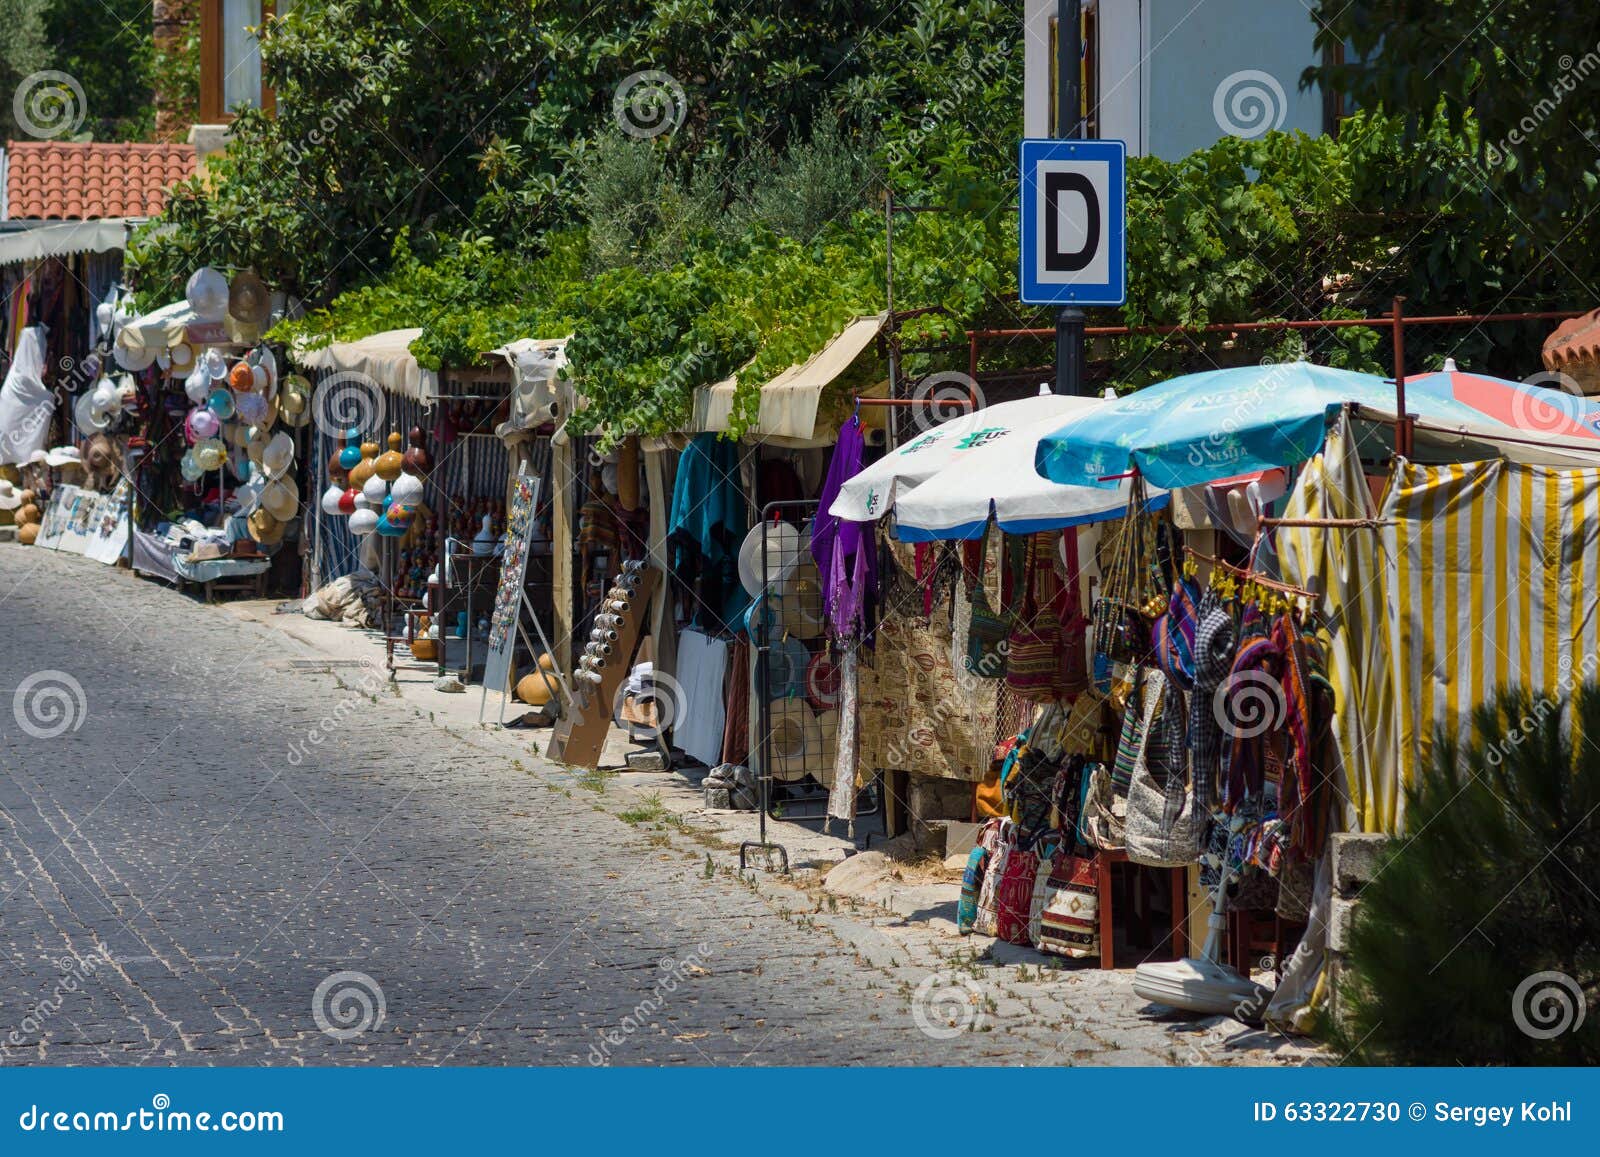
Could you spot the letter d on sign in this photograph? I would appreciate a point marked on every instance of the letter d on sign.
(1059, 190)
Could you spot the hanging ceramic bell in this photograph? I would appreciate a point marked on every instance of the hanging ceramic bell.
(375, 490)
(363, 523)
(417, 460)
(391, 461)
(331, 498)
(347, 501)
(407, 489)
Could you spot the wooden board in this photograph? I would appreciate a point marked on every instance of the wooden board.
(581, 734)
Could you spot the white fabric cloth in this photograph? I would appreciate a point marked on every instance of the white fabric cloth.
(702, 667)
(25, 402)
(386, 358)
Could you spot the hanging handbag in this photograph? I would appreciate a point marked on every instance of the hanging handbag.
(1065, 914)
(1075, 675)
(1014, 896)
(999, 837)
(1122, 614)
(1035, 658)
(987, 629)
(1104, 818)
(1165, 828)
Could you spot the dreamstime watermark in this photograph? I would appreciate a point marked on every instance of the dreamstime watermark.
(370, 76)
(673, 974)
(947, 1004)
(944, 395)
(347, 1004)
(1249, 703)
(372, 681)
(348, 400)
(1574, 72)
(652, 412)
(48, 704)
(970, 73)
(1249, 104)
(648, 709)
(649, 103)
(1547, 1004)
(1221, 444)
(1554, 406)
(72, 972)
(49, 104)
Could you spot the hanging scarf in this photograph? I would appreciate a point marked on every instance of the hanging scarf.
(1308, 702)
(1173, 634)
(1249, 705)
(844, 551)
(1213, 659)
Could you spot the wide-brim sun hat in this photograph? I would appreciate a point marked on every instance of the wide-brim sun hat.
(785, 550)
(795, 744)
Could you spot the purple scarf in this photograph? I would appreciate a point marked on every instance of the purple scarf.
(843, 550)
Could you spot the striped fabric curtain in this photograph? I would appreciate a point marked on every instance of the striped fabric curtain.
(1490, 569)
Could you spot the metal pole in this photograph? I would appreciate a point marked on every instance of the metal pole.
(1402, 426)
(1069, 124)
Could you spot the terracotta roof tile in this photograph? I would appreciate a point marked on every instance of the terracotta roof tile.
(66, 181)
(1575, 340)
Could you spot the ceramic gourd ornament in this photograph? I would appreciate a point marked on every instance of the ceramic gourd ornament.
(350, 453)
(417, 460)
(391, 461)
(332, 497)
(407, 490)
(364, 469)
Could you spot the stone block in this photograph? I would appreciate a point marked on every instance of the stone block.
(1357, 859)
(1341, 919)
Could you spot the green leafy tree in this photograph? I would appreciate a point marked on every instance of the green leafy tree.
(1519, 80)
(23, 52)
(106, 46)
(1496, 881)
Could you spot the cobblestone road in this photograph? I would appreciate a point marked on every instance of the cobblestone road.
(197, 851)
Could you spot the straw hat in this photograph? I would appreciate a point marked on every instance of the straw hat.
(181, 360)
(784, 552)
(264, 528)
(280, 499)
(796, 744)
(799, 603)
(63, 456)
(828, 726)
(249, 301)
(10, 496)
(294, 400)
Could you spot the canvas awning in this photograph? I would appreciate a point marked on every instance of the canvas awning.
(789, 402)
(385, 357)
(60, 238)
(178, 324)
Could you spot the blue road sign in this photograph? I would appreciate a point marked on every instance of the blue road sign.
(1074, 208)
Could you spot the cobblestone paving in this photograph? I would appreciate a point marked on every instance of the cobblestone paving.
(214, 836)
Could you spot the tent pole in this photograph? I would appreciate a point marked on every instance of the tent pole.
(1402, 429)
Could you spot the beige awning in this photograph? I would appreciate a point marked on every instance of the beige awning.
(35, 242)
(789, 401)
(385, 357)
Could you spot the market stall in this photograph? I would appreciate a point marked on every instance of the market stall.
(1124, 687)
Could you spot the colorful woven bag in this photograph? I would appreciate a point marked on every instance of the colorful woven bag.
(1014, 896)
(1066, 907)
(1037, 655)
(987, 629)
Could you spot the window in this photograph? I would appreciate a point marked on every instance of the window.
(230, 57)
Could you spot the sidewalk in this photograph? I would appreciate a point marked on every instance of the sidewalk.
(898, 917)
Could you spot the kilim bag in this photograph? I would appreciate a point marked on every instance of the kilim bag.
(1014, 896)
(1065, 914)
(1036, 657)
(987, 630)
(1165, 829)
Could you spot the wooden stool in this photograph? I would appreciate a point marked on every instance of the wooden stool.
(1180, 908)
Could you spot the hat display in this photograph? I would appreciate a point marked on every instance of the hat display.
(278, 455)
(181, 360)
(249, 301)
(63, 456)
(828, 726)
(10, 496)
(799, 603)
(280, 499)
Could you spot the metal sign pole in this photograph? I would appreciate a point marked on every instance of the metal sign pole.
(1069, 124)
